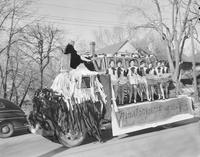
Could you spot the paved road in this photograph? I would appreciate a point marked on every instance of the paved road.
(181, 141)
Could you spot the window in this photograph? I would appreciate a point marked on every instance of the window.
(85, 82)
(2, 105)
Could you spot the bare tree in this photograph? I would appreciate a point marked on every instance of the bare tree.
(106, 37)
(29, 79)
(39, 44)
(18, 75)
(11, 13)
(82, 46)
(174, 35)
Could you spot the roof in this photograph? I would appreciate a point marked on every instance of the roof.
(112, 49)
(161, 56)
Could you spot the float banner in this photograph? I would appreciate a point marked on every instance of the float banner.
(151, 112)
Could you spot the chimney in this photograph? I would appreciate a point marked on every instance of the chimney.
(92, 48)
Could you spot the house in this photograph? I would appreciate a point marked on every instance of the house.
(187, 51)
(187, 58)
(121, 48)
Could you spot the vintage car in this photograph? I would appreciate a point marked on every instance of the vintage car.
(12, 118)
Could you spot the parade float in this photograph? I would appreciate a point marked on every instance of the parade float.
(81, 102)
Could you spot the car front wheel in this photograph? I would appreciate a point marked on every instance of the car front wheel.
(6, 129)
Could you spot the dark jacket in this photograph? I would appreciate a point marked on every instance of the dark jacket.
(75, 58)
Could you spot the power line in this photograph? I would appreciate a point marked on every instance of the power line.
(80, 9)
(103, 2)
(78, 21)
(73, 24)
(85, 21)
(84, 24)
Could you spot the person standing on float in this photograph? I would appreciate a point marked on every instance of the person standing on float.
(143, 86)
(159, 72)
(71, 60)
(112, 71)
(133, 80)
(122, 80)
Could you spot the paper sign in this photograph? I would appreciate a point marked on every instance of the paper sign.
(150, 114)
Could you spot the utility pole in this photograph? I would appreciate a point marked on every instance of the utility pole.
(193, 63)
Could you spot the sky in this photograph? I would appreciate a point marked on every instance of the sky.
(79, 18)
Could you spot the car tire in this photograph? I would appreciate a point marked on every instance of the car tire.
(6, 129)
(72, 138)
(69, 140)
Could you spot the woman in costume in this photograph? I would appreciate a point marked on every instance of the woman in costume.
(164, 67)
(142, 84)
(159, 71)
(150, 72)
(122, 80)
(165, 82)
(150, 69)
(133, 80)
(112, 71)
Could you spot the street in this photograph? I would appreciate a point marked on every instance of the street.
(179, 141)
